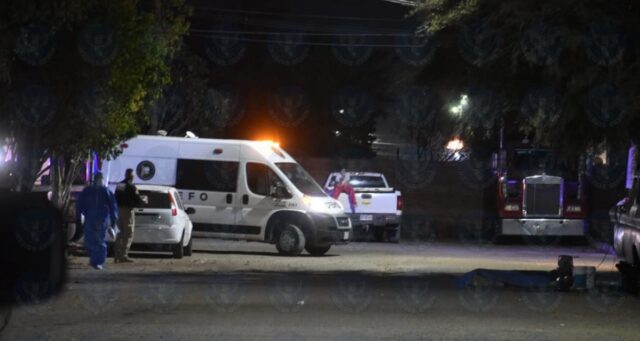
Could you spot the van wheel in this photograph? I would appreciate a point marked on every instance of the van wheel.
(290, 241)
(188, 250)
(318, 250)
(178, 249)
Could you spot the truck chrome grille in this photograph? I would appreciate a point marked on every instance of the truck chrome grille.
(543, 199)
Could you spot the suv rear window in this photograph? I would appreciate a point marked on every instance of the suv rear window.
(156, 199)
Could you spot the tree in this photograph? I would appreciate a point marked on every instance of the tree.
(565, 70)
(79, 78)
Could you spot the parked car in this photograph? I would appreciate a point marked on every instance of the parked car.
(241, 190)
(378, 212)
(162, 222)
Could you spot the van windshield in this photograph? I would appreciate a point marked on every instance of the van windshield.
(301, 179)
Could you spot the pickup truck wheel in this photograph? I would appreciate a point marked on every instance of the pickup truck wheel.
(188, 250)
(378, 235)
(178, 249)
(290, 241)
(318, 250)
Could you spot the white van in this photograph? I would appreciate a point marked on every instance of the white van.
(242, 190)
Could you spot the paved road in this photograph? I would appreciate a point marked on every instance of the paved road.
(238, 291)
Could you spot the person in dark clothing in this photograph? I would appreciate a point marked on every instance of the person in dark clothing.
(128, 198)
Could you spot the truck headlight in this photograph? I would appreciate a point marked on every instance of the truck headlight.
(512, 207)
(574, 209)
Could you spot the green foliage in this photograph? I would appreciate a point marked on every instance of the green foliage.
(573, 75)
(96, 104)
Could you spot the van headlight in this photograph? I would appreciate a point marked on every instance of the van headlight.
(322, 205)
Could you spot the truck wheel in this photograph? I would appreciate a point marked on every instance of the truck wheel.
(290, 241)
(318, 250)
(188, 250)
(178, 250)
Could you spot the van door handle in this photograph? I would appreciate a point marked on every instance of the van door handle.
(366, 196)
(229, 198)
(245, 199)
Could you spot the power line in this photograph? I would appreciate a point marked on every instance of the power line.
(305, 43)
(328, 34)
(308, 16)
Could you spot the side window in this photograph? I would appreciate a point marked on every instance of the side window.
(214, 176)
(176, 195)
(260, 178)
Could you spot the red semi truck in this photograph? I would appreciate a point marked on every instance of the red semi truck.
(539, 194)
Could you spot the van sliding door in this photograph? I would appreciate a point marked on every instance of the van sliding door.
(210, 187)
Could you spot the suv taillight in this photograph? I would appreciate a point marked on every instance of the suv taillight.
(174, 207)
(399, 203)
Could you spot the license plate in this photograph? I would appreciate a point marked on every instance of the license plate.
(366, 217)
(345, 236)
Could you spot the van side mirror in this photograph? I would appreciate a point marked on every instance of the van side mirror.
(279, 191)
(190, 210)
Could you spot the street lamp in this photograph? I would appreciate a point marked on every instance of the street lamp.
(463, 104)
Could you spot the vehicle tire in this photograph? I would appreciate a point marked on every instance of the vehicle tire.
(394, 235)
(290, 241)
(178, 249)
(188, 250)
(110, 249)
(318, 250)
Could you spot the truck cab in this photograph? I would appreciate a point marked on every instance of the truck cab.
(539, 195)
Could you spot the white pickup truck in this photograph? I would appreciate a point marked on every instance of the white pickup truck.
(379, 207)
